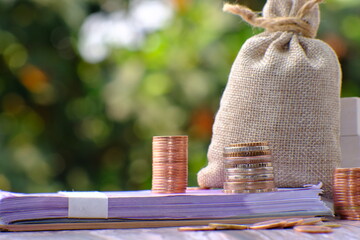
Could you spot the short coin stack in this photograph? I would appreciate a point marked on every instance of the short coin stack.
(347, 193)
(170, 164)
(248, 168)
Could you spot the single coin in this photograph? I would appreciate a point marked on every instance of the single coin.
(170, 137)
(260, 190)
(353, 218)
(195, 188)
(341, 170)
(246, 165)
(249, 185)
(197, 228)
(267, 158)
(249, 177)
(313, 229)
(235, 179)
(248, 144)
(223, 226)
(277, 223)
(253, 170)
(331, 225)
(310, 221)
(247, 153)
(232, 163)
(356, 208)
(245, 149)
(290, 222)
(250, 190)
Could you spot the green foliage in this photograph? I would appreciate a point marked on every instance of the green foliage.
(70, 124)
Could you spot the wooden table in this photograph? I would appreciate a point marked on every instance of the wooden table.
(349, 230)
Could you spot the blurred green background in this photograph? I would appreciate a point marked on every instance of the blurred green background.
(85, 84)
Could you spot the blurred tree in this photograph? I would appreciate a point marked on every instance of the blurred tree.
(339, 29)
(84, 85)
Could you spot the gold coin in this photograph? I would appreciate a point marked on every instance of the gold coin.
(248, 153)
(278, 223)
(248, 185)
(290, 222)
(310, 221)
(313, 229)
(197, 228)
(331, 225)
(223, 226)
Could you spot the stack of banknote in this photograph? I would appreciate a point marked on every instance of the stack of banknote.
(146, 205)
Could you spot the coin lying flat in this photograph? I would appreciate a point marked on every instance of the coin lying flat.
(290, 222)
(197, 228)
(277, 223)
(223, 226)
(331, 225)
(313, 229)
(310, 221)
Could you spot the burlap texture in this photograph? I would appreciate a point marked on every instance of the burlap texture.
(283, 88)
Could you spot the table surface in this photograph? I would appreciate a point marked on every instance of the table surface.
(348, 231)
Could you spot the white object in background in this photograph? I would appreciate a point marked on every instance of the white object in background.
(350, 151)
(350, 117)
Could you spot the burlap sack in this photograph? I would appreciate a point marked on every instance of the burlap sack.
(284, 87)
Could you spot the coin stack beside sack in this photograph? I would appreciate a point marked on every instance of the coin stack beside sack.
(170, 164)
(248, 168)
(346, 192)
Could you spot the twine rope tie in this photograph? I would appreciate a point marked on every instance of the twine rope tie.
(286, 24)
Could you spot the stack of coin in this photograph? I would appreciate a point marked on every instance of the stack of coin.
(170, 164)
(346, 192)
(248, 168)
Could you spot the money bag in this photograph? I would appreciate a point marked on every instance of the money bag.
(284, 88)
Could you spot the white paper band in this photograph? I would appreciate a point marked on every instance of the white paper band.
(87, 204)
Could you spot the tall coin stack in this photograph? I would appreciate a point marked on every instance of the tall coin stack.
(170, 164)
(248, 168)
(346, 191)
